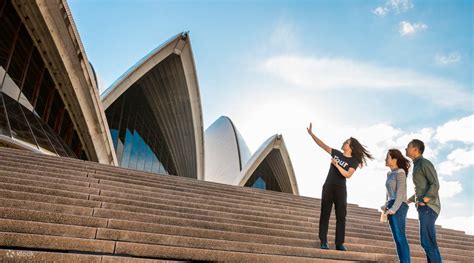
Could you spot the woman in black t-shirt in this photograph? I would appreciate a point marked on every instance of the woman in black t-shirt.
(343, 166)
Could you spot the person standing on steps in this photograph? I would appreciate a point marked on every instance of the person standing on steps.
(343, 166)
(426, 198)
(396, 206)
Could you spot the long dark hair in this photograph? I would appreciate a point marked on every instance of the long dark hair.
(402, 162)
(359, 152)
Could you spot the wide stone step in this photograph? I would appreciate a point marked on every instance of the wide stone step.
(22, 240)
(33, 227)
(66, 180)
(32, 256)
(49, 217)
(19, 195)
(47, 207)
(15, 255)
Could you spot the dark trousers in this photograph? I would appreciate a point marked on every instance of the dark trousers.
(427, 218)
(397, 226)
(337, 195)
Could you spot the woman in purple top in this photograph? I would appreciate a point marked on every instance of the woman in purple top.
(343, 165)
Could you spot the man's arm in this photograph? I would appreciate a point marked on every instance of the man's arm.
(433, 183)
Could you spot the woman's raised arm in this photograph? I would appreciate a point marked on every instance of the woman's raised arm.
(317, 140)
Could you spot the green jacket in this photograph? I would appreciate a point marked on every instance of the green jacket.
(426, 183)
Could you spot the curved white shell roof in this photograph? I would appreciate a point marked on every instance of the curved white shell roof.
(226, 151)
(273, 151)
(169, 78)
(228, 159)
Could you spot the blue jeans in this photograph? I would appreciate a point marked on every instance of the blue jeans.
(427, 217)
(397, 225)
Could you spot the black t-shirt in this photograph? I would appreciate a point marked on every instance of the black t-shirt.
(334, 176)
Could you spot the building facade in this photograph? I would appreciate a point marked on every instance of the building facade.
(150, 119)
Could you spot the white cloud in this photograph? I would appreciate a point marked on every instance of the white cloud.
(332, 73)
(451, 58)
(448, 188)
(380, 11)
(284, 36)
(463, 223)
(461, 130)
(457, 160)
(398, 6)
(406, 28)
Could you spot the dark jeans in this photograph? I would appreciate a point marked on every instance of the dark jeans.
(397, 225)
(337, 195)
(427, 218)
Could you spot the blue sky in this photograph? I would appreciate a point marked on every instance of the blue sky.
(382, 71)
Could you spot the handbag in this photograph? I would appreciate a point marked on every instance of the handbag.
(383, 217)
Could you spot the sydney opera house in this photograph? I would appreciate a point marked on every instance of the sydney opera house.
(150, 119)
(130, 175)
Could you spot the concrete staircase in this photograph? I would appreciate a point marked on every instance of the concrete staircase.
(66, 210)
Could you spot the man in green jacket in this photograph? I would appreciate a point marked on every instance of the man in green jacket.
(426, 198)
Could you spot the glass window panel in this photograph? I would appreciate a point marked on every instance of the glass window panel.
(114, 135)
(56, 106)
(4, 130)
(33, 76)
(8, 25)
(141, 155)
(260, 183)
(65, 125)
(134, 152)
(20, 56)
(46, 86)
(140, 143)
(131, 122)
(155, 168)
(36, 127)
(19, 126)
(76, 144)
(56, 141)
(149, 159)
(127, 149)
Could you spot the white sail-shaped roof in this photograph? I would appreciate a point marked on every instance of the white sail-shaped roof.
(226, 151)
(168, 78)
(274, 153)
(228, 159)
